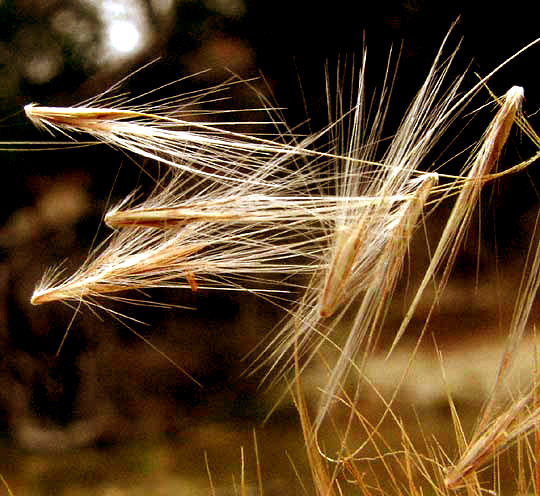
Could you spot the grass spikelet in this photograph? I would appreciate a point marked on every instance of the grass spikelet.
(111, 273)
(374, 302)
(357, 232)
(507, 427)
(304, 211)
(137, 258)
(172, 131)
(481, 166)
(365, 246)
(497, 429)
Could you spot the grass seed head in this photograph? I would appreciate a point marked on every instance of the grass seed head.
(476, 173)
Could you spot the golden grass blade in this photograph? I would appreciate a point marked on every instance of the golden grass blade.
(6, 485)
(323, 481)
(209, 473)
(527, 293)
(497, 430)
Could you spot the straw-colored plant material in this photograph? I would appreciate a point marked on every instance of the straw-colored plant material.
(172, 131)
(305, 213)
(365, 246)
(215, 235)
(263, 210)
(505, 429)
(482, 164)
(137, 258)
(228, 234)
(496, 429)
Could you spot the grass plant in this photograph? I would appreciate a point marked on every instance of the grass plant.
(240, 211)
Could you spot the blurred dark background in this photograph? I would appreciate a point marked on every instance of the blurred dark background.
(106, 384)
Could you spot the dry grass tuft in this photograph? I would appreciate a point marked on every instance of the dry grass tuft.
(259, 214)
